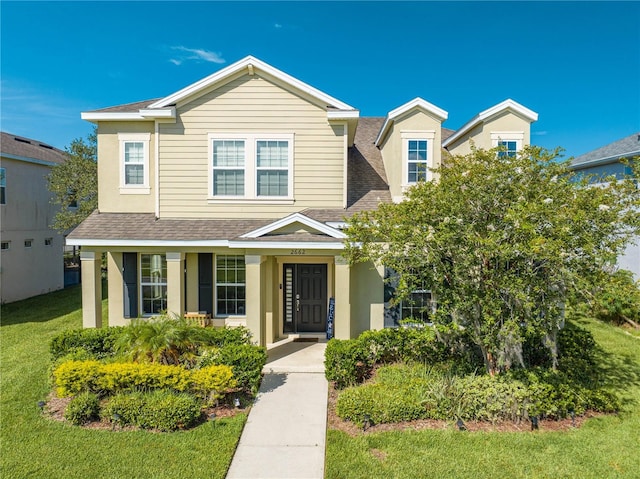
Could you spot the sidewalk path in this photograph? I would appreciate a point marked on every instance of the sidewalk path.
(285, 433)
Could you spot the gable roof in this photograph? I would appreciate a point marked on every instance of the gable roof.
(26, 149)
(418, 103)
(293, 219)
(624, 148)
(507, 105)
(249, 63)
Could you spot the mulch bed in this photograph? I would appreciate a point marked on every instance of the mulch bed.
(335, 422)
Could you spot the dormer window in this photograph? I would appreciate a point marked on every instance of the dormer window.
(134, 163)
(510, 141)
(417, 156)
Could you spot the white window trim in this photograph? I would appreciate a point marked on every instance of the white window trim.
(215, 287)
(420, 135)
(251, 169)
(517, 136)
(141, 284)
(144, 188)
(4, 184)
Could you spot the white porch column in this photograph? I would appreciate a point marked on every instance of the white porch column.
(90, 262)
(175, 283)
(342, 325)
(254, 310)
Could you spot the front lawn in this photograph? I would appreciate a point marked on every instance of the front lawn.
(603, 447)
(32, 446)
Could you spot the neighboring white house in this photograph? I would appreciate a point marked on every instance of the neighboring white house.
(31, 252)
(606, 161)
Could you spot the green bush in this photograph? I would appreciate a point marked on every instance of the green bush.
(73, 377)
(163, 410)
(82, 408)
(617, 300)
(220, 337)
(99, 343)
(348, 362)
(246, 362)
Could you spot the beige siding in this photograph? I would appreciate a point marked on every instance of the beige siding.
(27, 214)
(249, 105)
(480, 135)
(393, 148)
(110, 199)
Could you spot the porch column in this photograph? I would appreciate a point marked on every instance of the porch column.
(175, 283)
(91, 263)
(115, 285)
(342, 325)
(255, 321)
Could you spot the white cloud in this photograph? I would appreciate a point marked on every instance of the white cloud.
(277, 25)
(197, 54)
(539, 133)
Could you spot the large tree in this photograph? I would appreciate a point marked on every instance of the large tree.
(502, 242)
(74, 183)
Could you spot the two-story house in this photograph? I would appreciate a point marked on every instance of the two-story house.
(229, 196)
(31, 252)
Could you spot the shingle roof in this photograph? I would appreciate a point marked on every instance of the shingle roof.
(27, 148)
(625, 147)
(127, 107)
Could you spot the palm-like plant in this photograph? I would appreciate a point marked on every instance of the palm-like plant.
(164, 340)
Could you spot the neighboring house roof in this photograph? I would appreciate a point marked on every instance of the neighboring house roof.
(21, 148)
(624, 148)
(507, 105)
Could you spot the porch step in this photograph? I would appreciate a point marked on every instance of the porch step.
(291, 356)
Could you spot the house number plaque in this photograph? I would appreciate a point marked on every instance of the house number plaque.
(298, 251)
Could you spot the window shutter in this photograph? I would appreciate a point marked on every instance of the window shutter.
(205, 282)
(130, 280)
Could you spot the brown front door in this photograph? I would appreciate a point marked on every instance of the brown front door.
(305, 298)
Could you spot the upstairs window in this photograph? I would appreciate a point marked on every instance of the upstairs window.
(134, 163)
(5, 245)
(509, 148)
(28, 243)
(417, 160)
(3, 186)
(48, 241)
(251, 167)
(228, 167)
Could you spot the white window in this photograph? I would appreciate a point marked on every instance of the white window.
(134, 163)
(510, 141)
(153, 283)
(28, 243)
(3, 186)
(251, 167)
(230, 286)
(5, 245)
(417, 156)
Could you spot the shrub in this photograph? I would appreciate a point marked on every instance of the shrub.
(246, 362)
(161, 409)
(99, 343)
(74, 377)
(617, 300)
(82, 408)
(348, 362)
(224, 336)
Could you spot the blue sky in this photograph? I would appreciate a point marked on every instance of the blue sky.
(577, 63)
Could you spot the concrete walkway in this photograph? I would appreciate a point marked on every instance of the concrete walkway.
(285, 433)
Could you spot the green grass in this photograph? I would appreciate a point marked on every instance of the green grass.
(34, 447)
(604, 447)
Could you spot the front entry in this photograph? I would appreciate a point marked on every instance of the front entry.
(305, 298)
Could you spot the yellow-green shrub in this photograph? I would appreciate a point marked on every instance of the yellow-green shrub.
(212, 381)
(73, 377)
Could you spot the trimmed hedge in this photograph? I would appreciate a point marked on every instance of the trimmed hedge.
(73, 377)
(99, 343)
(82, 408)
(163, 410)
(245, 360)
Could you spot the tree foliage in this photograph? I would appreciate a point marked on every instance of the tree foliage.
(74, 183)
(502, 242)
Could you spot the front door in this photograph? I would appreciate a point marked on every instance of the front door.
(305, 298)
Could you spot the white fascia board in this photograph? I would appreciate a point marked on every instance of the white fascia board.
(508, 104)
(143, 243)
(240, 65)
(145, 114)
(295, 218)
(343, 115)
(418, 102)
(307, 245)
